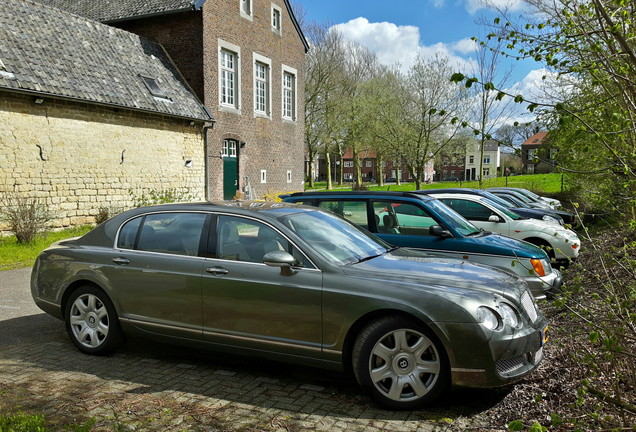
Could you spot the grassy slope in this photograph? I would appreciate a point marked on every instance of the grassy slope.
(14, 254)
(545, 183)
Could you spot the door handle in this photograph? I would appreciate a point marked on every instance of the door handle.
(121, 260)
(217, 270)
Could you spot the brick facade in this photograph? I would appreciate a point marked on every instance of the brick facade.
(78, 157)
(268, 143)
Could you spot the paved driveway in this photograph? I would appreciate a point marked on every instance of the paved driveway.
(152, 387)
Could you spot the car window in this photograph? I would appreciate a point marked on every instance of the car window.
(174, 233)
(241, 239)
(353, 211)
(469, 209)
(393, 217)
(334, 238)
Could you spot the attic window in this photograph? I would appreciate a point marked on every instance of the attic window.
(153, 87)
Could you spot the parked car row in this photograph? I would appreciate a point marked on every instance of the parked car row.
(302, 284)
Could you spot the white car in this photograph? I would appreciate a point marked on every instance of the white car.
(561, 244)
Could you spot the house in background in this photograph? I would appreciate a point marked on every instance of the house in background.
(491, 162)
(537, 156)
(244, 59)
(452, 167)
(391, 170)
(90, 113)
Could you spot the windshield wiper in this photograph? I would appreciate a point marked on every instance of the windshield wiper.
(367, 258)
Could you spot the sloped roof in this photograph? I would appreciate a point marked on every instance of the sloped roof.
(108, 11)
(536, 139)
(48, 52)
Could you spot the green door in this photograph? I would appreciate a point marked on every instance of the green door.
(230, 169)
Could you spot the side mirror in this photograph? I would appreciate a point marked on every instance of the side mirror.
(494, 218)
(281, 259)
(438, 231)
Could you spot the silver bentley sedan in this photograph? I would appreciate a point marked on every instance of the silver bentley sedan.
(297, 284)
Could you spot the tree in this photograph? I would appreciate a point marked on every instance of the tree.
(323, 69)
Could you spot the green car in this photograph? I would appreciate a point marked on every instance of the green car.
(293, 283)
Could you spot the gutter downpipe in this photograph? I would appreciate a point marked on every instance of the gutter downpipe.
(204, 130)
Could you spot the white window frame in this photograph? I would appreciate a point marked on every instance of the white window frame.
(471, 159)
(263, 176)
(259, 59)
(247, 14)
(229, 148)
(287, 70)
(236, 51)
(289, 176)
(348, 164)
(486, 172)
(277, 27)
(486, 159)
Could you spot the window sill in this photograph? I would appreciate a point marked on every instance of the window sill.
(229, 109)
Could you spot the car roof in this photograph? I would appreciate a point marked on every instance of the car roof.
(414, 194)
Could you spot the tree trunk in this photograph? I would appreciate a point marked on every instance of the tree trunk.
(328, 165)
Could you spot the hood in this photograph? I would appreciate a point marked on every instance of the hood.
(412, 266)
(506, 246)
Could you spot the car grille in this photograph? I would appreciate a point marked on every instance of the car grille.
(508, 367)
(529, 306)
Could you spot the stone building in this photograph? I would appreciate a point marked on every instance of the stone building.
(244, 59)
(90, 115)
(537, 155)
(491, 162)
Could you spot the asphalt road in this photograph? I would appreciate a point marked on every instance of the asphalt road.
(15, 305)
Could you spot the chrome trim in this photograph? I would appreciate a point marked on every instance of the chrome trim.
(138, 323)
(259, 340)
(468, 370)
(208, 212)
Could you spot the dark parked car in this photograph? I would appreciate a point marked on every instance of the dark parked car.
(419, 221)
(513, 198)
(518, 208)
(294, 283)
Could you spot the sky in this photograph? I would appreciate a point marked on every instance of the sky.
(397, 30)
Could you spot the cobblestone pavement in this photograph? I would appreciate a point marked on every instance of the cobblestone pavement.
(154, 387)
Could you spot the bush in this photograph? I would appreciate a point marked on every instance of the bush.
(165, 196)
(26, 216)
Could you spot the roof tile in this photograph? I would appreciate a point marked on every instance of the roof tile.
(64, 55)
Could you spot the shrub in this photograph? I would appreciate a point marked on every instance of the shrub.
(154, 196)
(26, 216)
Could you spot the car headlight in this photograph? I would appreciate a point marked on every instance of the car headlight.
(552, 219)
(509, 315)
(488, 318)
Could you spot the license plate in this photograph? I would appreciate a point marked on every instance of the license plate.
(544, 335)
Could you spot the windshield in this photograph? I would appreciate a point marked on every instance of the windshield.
(511, 215)
(453, 219)
(498, 200)
(334, 238)
(530, 194)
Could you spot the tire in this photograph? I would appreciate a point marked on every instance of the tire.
(91, 321)
(400, 363)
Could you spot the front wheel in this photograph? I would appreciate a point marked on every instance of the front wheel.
(400, 363)
(91, 321)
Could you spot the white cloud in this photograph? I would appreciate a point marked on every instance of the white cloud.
(465, 46)
(472, 6)
(395, 44)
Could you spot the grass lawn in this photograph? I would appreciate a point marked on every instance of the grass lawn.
(15, 255)
(540, 183)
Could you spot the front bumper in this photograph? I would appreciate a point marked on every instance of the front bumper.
(541, 286)
(492, 359)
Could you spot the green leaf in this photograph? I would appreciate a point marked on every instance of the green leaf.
(516, 425)
(457, 77)
(500, 95)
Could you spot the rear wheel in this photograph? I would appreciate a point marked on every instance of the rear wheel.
(400, 363)
(91, 321)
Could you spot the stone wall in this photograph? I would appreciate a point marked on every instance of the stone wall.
(78, 158)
